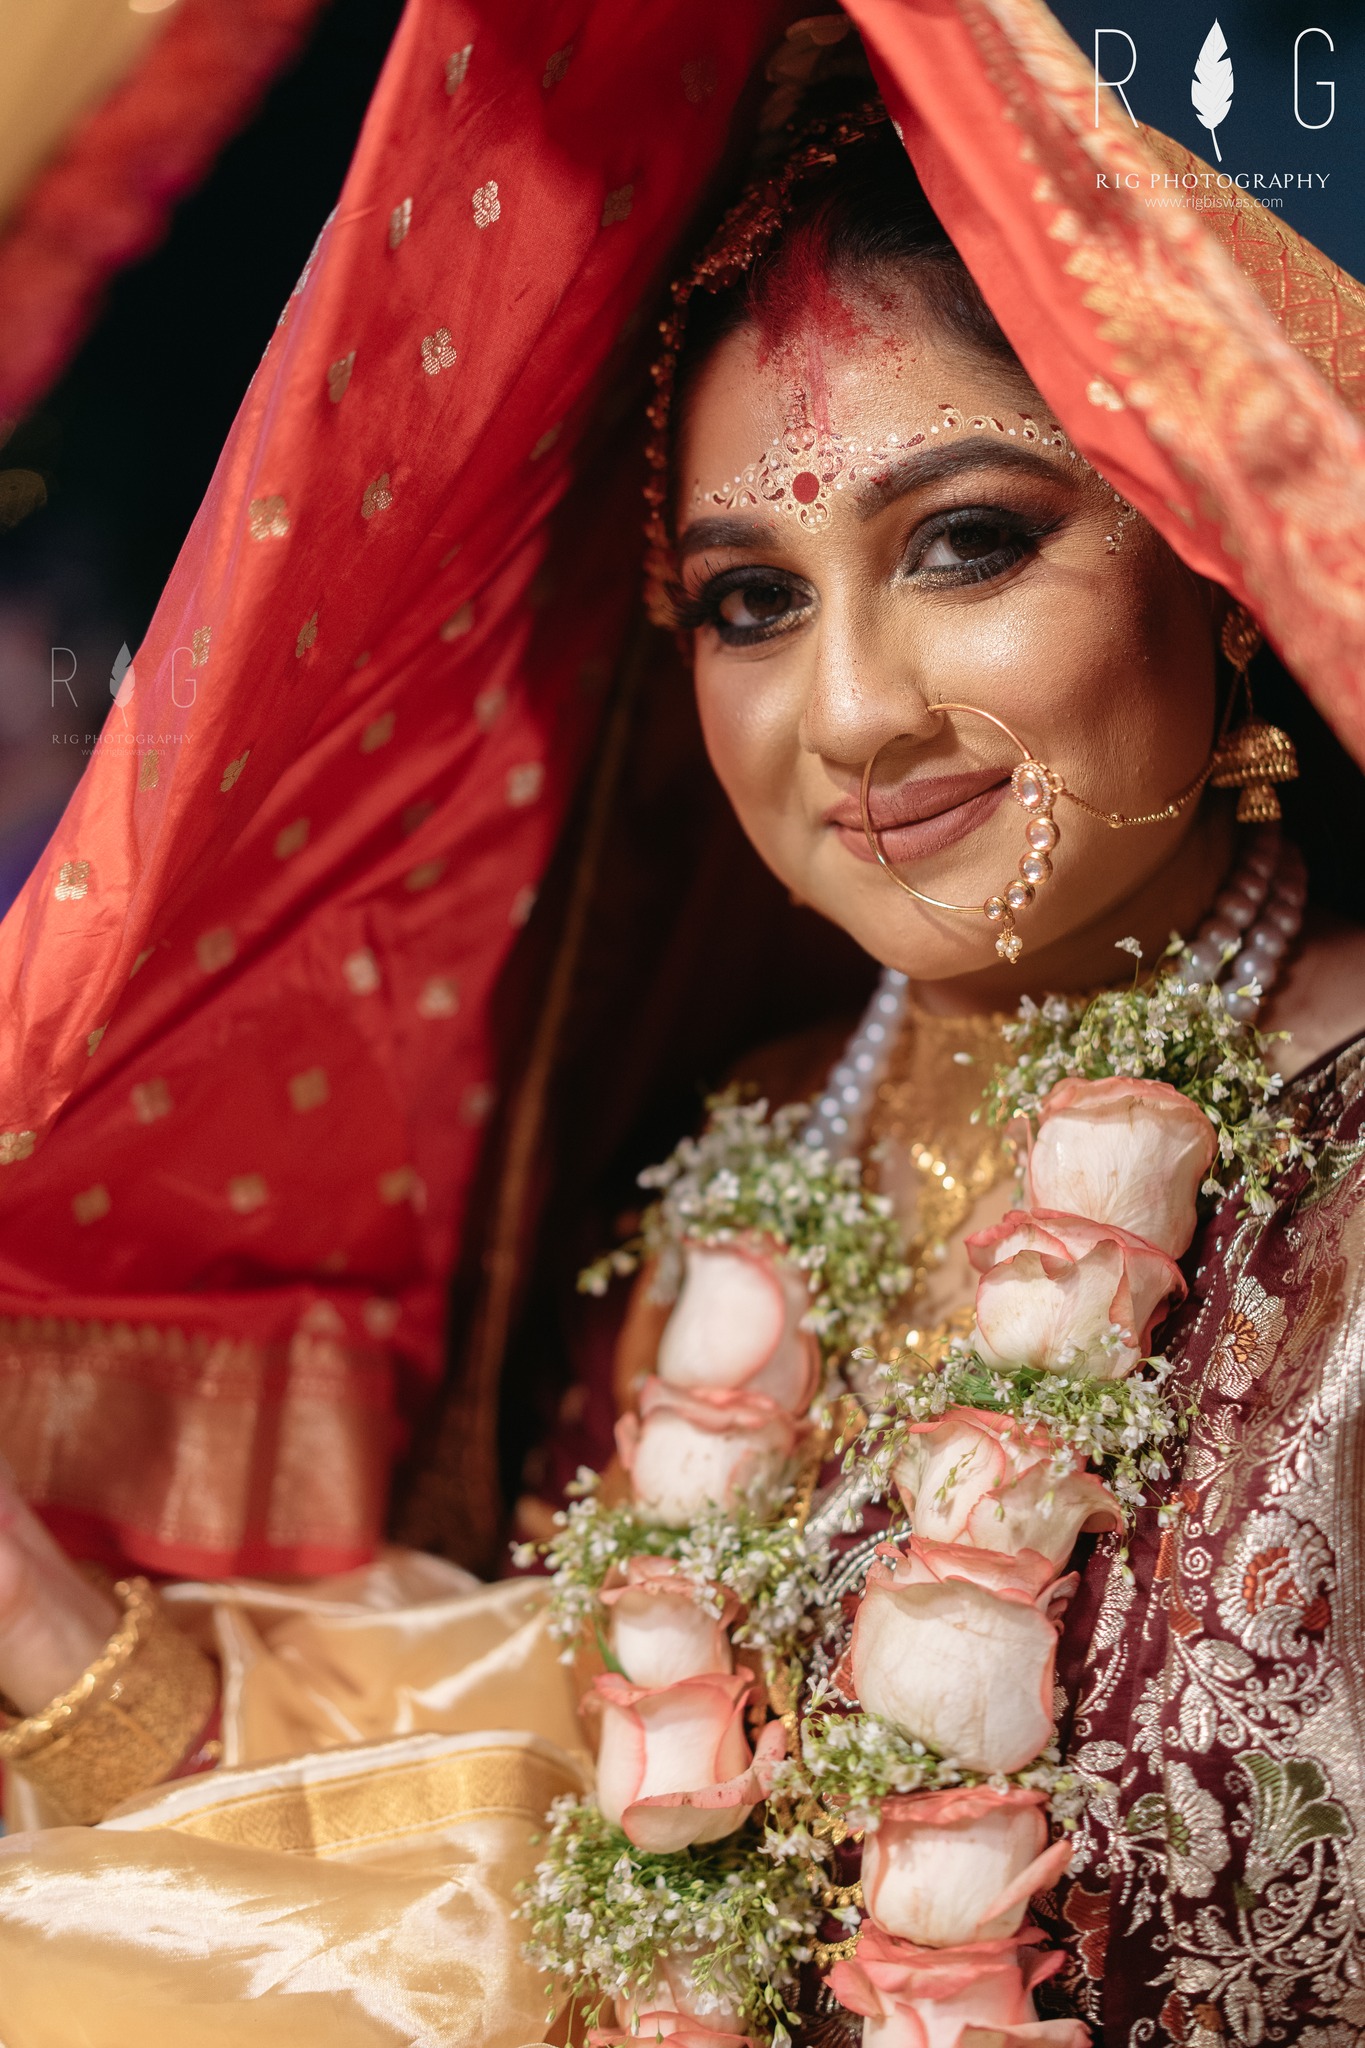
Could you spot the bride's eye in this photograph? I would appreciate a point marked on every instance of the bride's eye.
(974, 544)
(755, 604)
(746, 605)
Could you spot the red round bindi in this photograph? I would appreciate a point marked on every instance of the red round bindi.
(805, 487)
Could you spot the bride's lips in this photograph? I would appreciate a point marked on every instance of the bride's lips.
(922, 815)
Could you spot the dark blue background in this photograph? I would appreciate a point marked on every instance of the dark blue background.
(1260, 132)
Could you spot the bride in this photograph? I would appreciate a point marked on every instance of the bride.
(984, 704)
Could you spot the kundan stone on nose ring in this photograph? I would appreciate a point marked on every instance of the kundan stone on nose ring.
(1035, 788)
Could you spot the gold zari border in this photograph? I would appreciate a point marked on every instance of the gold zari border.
(383, 1804)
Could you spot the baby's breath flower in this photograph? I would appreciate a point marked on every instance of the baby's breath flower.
(770, 1566)
(749, 1175)
(1162, 1029)
(604, 1915)
(852, 1762)
(1120, 1427)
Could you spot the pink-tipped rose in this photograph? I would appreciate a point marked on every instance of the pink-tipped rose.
(1130, 1153)
(686, 1452)
(674, 1765)
(977, 1478)
(975, 1996)
(1068, 1295)
(957, 1647)
(945, 1868)
(664, 1625)
(737, 1324)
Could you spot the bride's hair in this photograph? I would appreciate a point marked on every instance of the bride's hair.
(858, 234)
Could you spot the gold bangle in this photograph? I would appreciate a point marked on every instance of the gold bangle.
(126, 1723)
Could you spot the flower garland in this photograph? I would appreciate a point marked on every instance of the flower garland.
(737, 1918)
(929, 1727)
(661, 1899)
(747, 1178)
(1051, 1420)
(770, 1567)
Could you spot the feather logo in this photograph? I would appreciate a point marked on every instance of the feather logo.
(1212, 87)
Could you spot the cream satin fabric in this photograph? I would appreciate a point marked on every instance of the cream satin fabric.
(395, 1737)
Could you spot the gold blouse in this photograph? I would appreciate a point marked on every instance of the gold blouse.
(947, 1170)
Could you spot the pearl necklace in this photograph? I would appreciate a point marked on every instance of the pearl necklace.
(840, 1115)
(1254, 923)
(1240, 946)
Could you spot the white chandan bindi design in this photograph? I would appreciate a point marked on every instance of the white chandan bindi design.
(804, 465)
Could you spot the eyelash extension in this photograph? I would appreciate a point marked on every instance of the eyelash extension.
(702, 608)
(1025, 534)
(691, 609)
(687, 610)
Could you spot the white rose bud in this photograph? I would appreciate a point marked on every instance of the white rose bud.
(1131, 1153)
(664, 1626)
(737, 1324)
(957, 1648)
(687, 1452)
(960, 1866)
(1069, 1295)
(983, 1479)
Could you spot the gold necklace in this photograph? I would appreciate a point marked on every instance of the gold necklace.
(930, 1148)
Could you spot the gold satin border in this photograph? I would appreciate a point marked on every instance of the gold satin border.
(333, 1815)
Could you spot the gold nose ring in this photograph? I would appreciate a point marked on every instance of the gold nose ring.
(1035, 788)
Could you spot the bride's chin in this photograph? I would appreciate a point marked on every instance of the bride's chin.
(863, 901)
(897, 933)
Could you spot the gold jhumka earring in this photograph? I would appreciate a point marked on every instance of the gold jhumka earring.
(1035, 788)
(1254, 755)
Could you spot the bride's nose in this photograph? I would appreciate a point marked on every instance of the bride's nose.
(864, 686)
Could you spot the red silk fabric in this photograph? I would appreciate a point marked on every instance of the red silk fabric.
(248, 988)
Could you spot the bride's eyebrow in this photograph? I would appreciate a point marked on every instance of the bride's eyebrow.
(724, 533)
(920, 466)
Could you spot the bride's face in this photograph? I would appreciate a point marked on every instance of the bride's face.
(983, 563)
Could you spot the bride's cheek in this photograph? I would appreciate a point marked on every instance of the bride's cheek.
(751, 726)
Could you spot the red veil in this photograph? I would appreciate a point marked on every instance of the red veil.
(249, 988)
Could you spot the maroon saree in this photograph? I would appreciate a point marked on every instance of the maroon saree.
(1214, 1685)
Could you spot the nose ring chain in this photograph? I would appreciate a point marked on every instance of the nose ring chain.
(1036, 788)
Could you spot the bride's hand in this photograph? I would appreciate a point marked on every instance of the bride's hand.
(53, 1622)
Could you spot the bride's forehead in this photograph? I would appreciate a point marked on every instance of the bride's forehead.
(873, 388)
